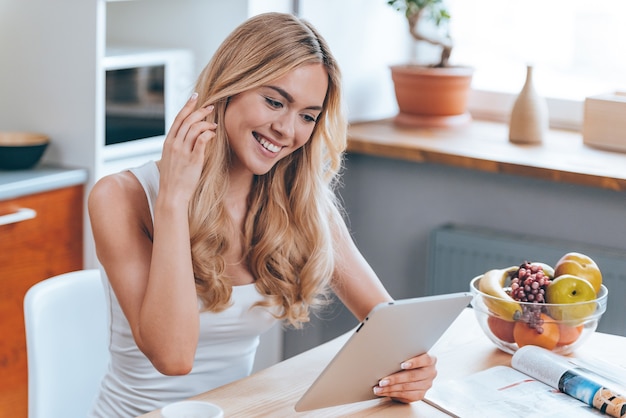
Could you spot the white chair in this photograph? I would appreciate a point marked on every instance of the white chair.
(67, 344)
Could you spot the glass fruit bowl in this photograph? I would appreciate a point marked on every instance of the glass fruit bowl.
(560, 328)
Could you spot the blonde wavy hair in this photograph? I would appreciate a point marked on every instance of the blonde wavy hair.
(289, 227)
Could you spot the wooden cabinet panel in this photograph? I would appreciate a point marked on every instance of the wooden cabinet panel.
(32, 250)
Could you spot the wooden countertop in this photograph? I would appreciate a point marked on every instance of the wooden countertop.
(462, 350)
(483, 145)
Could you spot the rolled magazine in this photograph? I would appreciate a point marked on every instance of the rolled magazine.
(598, 391)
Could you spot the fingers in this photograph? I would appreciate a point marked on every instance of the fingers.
(423, 360)
(184, 154)
(190, 122)
(182, 115)
(197, 143)
(193, 130)
(412, 382)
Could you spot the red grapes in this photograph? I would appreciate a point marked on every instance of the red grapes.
(528, 284)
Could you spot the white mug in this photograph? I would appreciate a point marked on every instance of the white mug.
(192, 409)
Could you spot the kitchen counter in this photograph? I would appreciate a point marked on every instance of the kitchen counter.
(484, 146)
(20, 183)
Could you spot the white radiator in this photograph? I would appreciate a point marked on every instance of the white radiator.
(459, 253)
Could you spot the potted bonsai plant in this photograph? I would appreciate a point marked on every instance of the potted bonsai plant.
(430, 94)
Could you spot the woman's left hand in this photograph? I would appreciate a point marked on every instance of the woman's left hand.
(411, 383)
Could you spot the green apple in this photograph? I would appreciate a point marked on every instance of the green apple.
(579, 265)
(574, 298)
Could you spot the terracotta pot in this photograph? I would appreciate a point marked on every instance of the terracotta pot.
(430, 96)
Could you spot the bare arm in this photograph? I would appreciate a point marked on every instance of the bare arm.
(149, 267)
(360, 290)
(355, 283)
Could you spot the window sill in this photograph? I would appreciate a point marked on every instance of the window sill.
(484, 146)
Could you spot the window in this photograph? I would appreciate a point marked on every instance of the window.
(576, 47)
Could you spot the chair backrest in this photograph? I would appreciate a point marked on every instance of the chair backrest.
(67, 344)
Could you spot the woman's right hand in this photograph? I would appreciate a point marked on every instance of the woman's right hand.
(184, 149)
(166, 322)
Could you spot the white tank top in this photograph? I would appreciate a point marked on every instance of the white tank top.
(226, 347)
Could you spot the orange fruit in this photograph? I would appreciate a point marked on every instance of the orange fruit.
(569, 334)
(548, 339)
(502, 329)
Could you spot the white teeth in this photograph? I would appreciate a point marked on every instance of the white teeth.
(268, 145)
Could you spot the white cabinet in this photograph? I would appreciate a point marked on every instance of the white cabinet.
(31, 250)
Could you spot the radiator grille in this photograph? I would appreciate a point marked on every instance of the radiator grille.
(458, 253)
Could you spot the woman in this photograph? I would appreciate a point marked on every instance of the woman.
(236, 227)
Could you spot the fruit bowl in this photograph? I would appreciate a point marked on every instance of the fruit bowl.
(535, 323)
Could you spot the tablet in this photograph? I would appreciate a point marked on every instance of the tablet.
(390, 334)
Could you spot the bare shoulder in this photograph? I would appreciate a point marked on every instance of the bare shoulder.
(119, 184)
(119, 198)
(115, 189)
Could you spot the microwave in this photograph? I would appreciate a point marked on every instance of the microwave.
(144, 90)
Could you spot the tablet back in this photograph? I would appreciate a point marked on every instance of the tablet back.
(391, 334)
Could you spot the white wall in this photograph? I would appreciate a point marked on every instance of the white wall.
(366, 36)
(199, 25)
(42, 74)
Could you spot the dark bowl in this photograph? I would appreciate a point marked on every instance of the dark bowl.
(21, 150)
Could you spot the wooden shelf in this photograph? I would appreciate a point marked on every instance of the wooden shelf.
(484, 146)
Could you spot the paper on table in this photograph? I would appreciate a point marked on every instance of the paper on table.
(539, 383)
(615, 374)
(503, 391)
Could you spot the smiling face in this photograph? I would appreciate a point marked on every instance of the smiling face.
(267, 123)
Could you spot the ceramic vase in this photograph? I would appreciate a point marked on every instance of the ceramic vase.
(529, 117)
